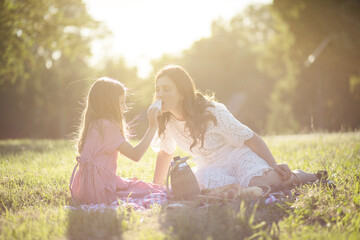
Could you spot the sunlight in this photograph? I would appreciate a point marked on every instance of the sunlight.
(145, 30)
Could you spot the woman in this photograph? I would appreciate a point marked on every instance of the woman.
(225, 150)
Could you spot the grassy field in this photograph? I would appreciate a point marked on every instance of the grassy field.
(34, 176)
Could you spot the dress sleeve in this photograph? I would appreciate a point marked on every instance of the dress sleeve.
(164, 143)
(231, 128)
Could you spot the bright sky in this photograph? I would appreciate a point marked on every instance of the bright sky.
(147, 29)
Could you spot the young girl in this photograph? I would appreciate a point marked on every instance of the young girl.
(101, 136)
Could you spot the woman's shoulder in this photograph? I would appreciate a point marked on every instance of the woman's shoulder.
(216, 107)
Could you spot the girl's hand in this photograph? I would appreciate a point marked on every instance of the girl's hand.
(283, 170)
(153, 114)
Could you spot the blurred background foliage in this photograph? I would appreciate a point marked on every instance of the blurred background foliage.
(287, 67)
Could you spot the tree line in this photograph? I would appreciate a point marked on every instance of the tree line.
(288, 67)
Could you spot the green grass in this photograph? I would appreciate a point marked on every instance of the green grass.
(34, 176)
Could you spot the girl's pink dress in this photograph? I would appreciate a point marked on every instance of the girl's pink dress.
(94, 178)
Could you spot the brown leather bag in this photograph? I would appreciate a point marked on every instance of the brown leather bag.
(184, 185)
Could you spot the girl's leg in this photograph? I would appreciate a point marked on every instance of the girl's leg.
(271, 177)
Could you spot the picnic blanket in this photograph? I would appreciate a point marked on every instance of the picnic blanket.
(140, 204)
(144, 203)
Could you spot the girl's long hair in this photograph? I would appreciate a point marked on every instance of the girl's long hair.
(193, 104)
(102, 102)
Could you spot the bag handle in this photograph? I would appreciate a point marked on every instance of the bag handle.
(167, 178)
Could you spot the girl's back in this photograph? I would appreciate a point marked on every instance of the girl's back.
(101, 144)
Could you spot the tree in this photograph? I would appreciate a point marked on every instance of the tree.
(275, 60)
(226, 63)
(326, 87)
(45, 45)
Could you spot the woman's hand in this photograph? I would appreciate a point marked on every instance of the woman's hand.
(153, 114)
(283, 170)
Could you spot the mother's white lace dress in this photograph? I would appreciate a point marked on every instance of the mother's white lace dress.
(224, 159)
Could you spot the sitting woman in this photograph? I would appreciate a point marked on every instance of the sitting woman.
(225, 150)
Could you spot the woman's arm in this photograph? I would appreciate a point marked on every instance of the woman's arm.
(257, 145)
(162, 165)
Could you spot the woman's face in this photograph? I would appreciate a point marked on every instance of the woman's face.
(167, 91)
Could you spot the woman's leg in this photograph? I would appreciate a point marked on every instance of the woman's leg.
(304, 177)
(271, 177)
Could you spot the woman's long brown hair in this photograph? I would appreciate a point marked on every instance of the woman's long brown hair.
(194, 104)
(102, 102)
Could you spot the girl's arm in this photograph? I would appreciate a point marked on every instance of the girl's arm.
(136, 153)
(162, 164)
(257, 145)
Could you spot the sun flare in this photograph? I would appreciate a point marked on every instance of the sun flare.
(144, 30)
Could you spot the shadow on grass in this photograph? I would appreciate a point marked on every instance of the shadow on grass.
(106, 224)
(228, 221)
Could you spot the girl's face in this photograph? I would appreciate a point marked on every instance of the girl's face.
(122, 104)
(167, 91)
